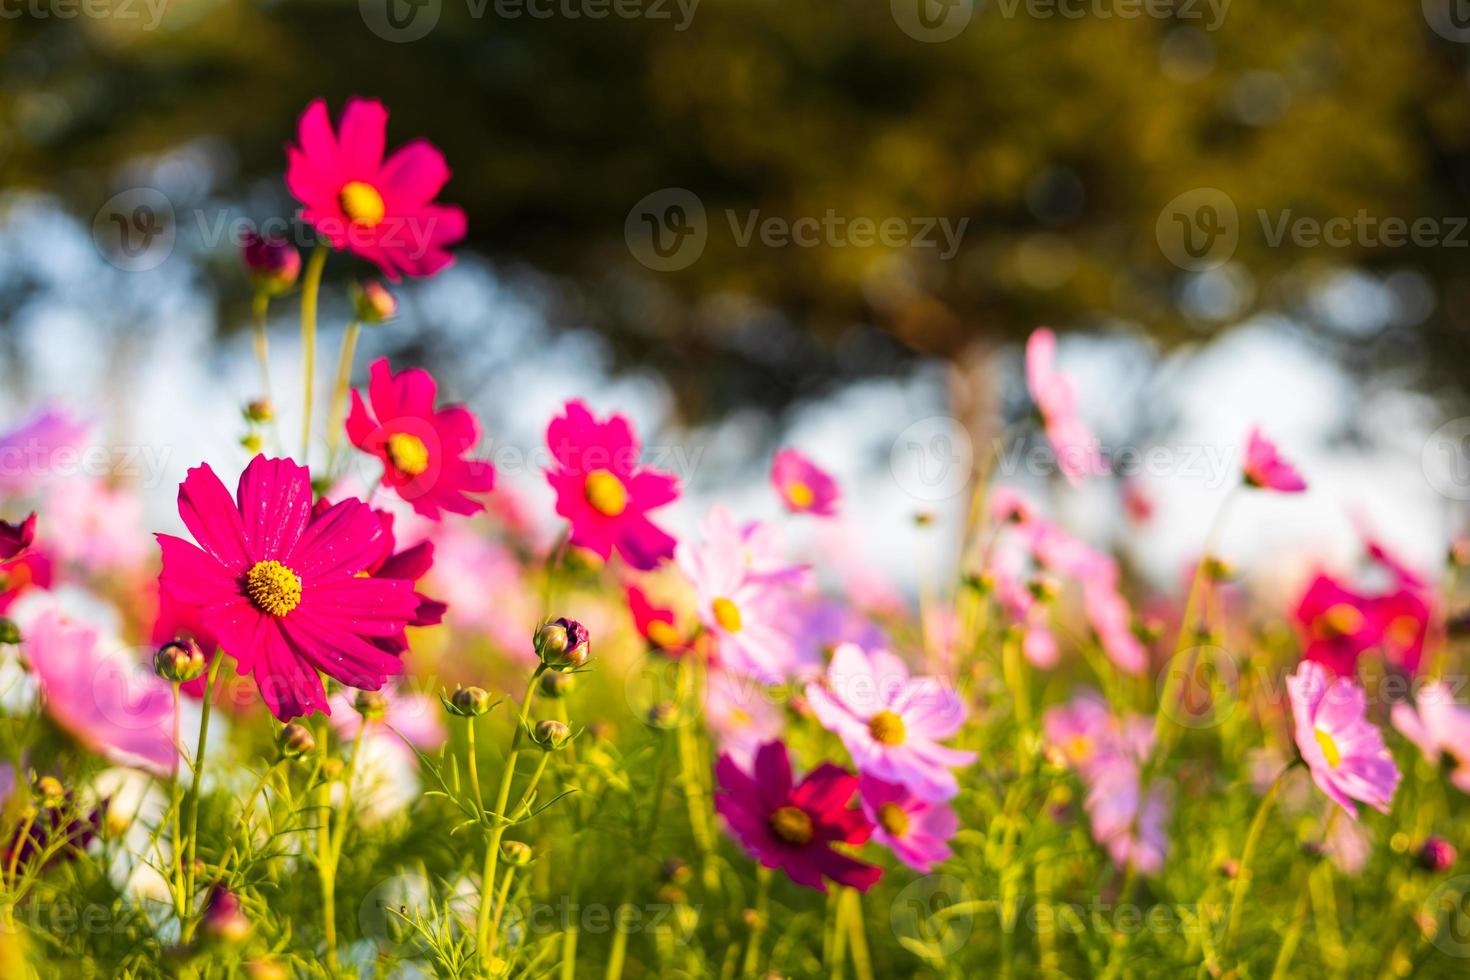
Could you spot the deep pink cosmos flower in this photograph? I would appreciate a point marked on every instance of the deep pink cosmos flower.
(1343, 750)
(603, 492)
(1338, 624)
(423, 449)
(409, 564)
(655, 623)
(793, 827)
(284, 590)
(914, 829)
(804, 487)
(380, 210)
(891, 723)
(113, 705)
(1440, 727)
(1074, 444)
(745, 597)
(16, 538)
(1264, 468)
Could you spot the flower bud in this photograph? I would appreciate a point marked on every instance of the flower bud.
(1044, 588)
(662, 714)
(49, 789)
(179, 660)
(555, 685)
(273, 264)
(516, 853)
(295, 741)
(562, 644)
(468, 702)
(9, 632)
(259, 410)
(372, 302)
(223, 917)
(676, 871)
(551, 734)
(372, 705)
(251, 442)
(1218, 569)
(1437, 854)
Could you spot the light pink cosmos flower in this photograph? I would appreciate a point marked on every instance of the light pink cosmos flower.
(916, 830)
(1439, 727)
(741, 714)
(1264, 468)
(95, 526)
(745, 597)
(1129, 823)
(418, 718)
(603, 492)
(114, 705)
(1074, 444)
(381, 210)
(30, 453)
(804, 487)
(1343, 750)
(891, 723)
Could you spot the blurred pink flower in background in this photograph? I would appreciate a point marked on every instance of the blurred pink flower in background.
(418, 718)
(804, 487)
(1265, 469)
(43, 447)
(1343, 750)
(382, 211)
(892, 723)
(1073, 443)
(96, 527)
(113, 704)
(916, 830)
(1439, 726)
(603, 492)
(424, 450)
(741, 715)
(468, 566)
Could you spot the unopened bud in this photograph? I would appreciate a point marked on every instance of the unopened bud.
(516, 853)
(372, 705)
(372, 302)
(273, 264)
(555, 685)
(223, 917)
(251, 442)
(562, 644)
(9, 632)
(179, 660)
(551, 734)
(295, 741)
(468, 702)
(260, 410)
(51, 793)
(1437, 854)
(662, 714)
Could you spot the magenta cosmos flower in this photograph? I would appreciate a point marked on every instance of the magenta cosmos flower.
(1440, 727)
(285, 591)
(656, 623)
(890, 722)
(1074, 444)
(423, 449)
(793, 827)
(603, 492)
(804, 487)
(745, 597)
(380, 210)
(1343, 750)
(1264, 468)
(914, 829)
(106, 700)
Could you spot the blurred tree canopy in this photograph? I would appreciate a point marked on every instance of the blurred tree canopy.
(1060, 139)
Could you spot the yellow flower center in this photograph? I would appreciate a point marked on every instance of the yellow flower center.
(727, 614)
(893, 819)
(408, 452)
(1080, 747)
(1342, 620)
(800, 495)
(273, 587)
(792, 825)
(1329, 748)
(887, 728)
(663, 633)
(362, 203)
(738, 718)
(606, 493)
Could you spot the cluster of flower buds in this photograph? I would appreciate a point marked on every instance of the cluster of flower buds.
(273, 264)
(179, 660)
(468, 702)
(562, 644)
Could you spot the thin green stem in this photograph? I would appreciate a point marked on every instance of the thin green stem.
(1243, 873)
(311, 285)
(762, 914)
(192, 840)
(338, 411)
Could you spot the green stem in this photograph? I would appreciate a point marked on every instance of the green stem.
(862, 963)
(192, 840)
(762, 913)
(1242, 875)
(1293, 936)
(311, 285)
(338, 412)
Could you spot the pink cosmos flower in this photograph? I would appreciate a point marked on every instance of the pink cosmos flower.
(409, 564)
(1440, 727)
(1343, 750)
(1129, 823)
(793, 826)
(115, 706)
(915, 830)
(1338, 624)
(744, 597)
(1264, 468)
(1074, 444)
(382, 211)
(38, 449)
(603, 492)
(891, 723)
(804, 487)
(94, 526)
(22, 564)
(741, 714)
(656, 623)
(423, 449)
(282, 589)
